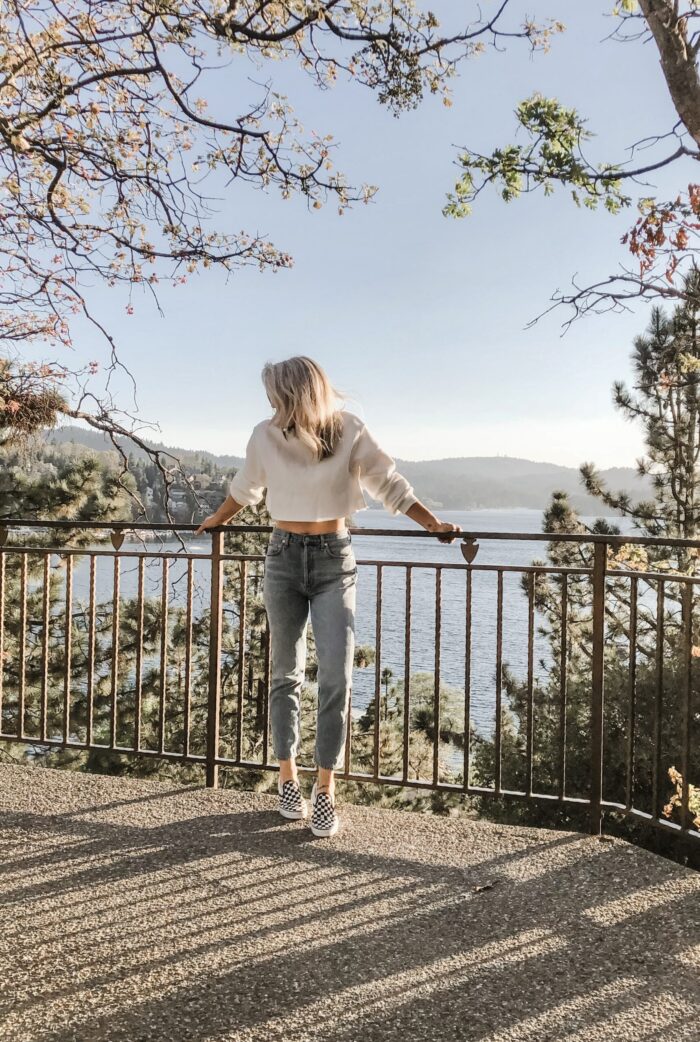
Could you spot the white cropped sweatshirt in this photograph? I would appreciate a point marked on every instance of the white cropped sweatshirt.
(301, 488)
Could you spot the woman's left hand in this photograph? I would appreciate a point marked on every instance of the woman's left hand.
(445, 526)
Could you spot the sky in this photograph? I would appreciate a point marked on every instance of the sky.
(420, 320)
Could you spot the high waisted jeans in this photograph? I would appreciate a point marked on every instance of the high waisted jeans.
(314, 574)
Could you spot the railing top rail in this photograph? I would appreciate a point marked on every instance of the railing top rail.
(535, 537)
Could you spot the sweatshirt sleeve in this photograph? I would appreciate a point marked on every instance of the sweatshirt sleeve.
(248, 483)
(377, 473)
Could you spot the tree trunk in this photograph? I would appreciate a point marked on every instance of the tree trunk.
(678, 61)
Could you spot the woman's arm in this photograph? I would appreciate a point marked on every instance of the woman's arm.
(228, 509)
(248, 484)
(378, 474)
(427, 520)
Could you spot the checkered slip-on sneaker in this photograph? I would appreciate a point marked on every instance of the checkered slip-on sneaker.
(291, 803)
(324, 820)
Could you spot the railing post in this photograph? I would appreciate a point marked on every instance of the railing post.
(217, 538)
(600, 552)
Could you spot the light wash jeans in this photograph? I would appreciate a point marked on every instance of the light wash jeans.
(316, 574)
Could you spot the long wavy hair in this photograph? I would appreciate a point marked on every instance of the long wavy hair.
(306, 403)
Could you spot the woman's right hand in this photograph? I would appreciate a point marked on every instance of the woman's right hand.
(209, 522)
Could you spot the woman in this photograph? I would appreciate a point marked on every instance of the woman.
(314, 459)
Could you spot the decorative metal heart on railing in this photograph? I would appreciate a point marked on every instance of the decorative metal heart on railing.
(469, 548)
(117, 539)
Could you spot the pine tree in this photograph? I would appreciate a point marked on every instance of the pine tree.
(665, 400)
(57, 483)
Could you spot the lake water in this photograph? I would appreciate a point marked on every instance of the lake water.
(453, 605)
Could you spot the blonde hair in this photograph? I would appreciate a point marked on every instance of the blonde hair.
(305, 403)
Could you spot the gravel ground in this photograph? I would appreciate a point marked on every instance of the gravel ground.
(134, 911)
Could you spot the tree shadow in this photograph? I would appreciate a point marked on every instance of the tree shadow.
(232, 925)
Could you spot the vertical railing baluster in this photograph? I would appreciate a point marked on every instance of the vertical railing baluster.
(499, 693)
(687, 703)
(266, 702)
(467, 677)
(45, 631)
(188, 660)
(600, 552)
(563, 679)
(632, 704)
(242, 622)
(658, 700)
(436, 676)
(348, 738)
(22, 657)
(138, 665)
(347, 752)
(164, 590)
(90, 683)
(68, 647)
(214, 687)
(377, 670)
(115, 654)
(2, 635)
(529, 737)
(407, 675)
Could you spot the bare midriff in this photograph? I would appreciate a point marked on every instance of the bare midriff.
(312, 527)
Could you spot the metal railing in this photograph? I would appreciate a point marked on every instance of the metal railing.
(90, 661)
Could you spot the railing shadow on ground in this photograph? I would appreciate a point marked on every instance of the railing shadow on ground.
(183, 676)
(178, 923)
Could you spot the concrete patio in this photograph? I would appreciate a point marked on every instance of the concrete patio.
(135, 911)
